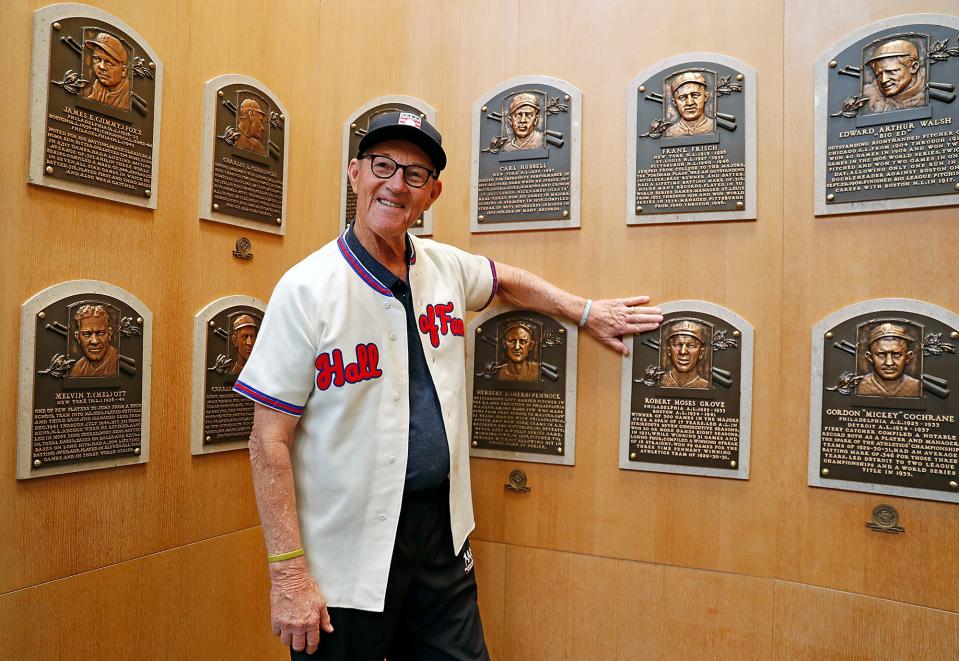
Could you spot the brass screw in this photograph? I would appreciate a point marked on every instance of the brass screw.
(559, 450)
(56, 26)
(137, 451)
(423, 115)
(49, 169)
(42, 315)
(479, 330)
(483, 109)
(282, 116)
(733, 464)
(632, 455)
(957, 187)
(148, 192)
(642, 88)
(481, 217)
(36, 463)
(216, 207)
(825, 472)
(152, 65)
(566, 97)
(475, 444)
(954, 335)
(736, 333)
(830, 197)
(139, 320)
(212, 323)
(209, 438)
(953, 485)
(639, 210)
(279, 221)
(353, 125)
(739, 76)
(220, 93)
(833, 64)
(740, 205)
(829, 335)
(565, 213)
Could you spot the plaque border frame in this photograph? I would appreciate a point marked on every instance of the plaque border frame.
(575, 158)
(749, 211)
(27, 377)
(820, 116)
(43, 20)
(425, 108)
(200, 324)
(816, 386)
(746, 347)
(210, 106)
(572, 357)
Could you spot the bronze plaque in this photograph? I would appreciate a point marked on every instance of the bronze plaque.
(523, 386)
(526, 155)
(883, 417)
(85, 379)
(96, 106)
(692, 141)
(354, 131)
(687, 393)
(226, 331)
(886, 117)
(245, 159)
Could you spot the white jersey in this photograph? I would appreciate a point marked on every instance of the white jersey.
(332, 348)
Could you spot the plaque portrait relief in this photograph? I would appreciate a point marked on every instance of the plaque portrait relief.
(885, 116)
(522, 380)
(85, 350)
(691, 140)
(353, 131)
(687, 393)
(882, 417)
(224, 336)
(95, 110)
(244, 158)
(526, 156)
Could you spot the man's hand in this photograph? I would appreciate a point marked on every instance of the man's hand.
(298, 610)
(612, 318)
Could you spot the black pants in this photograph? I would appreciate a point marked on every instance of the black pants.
(430, 611)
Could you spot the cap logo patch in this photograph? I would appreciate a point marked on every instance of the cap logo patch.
(410, 119)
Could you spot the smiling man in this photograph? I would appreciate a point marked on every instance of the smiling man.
(690, 94)
(899, 80)
(360, 447)
(94, 335)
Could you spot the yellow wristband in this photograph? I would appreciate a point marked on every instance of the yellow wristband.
(289, 555)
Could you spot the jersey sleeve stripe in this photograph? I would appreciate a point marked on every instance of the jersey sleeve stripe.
(266, 400)
(492, 266)
(365, 275)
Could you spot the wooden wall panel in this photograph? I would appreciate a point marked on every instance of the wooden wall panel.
(200, 601)
(829, 263)
(489, 561)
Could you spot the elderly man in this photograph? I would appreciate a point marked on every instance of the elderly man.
(244, 336)
(888, 355)
(94, 335)
(359, 448)
(519, 340)
(900, 80)
(523, 118)
(112, 84)
(689, 92)
(685, 348)
(251, 124)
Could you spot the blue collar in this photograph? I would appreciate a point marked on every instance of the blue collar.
(378, 277)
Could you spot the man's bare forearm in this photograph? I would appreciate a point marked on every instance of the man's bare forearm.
(527, 290)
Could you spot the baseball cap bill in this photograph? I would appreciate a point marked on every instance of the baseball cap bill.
(405, 126)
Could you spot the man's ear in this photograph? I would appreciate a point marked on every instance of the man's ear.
(435, 193)
(353, 171)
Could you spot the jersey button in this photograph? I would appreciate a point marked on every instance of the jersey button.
(386, 305)
(392, 336)
(392, 460)
(396, 397)
(382, 516)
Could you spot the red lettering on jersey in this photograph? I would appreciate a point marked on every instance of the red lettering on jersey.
(439, 320)
(330, 369)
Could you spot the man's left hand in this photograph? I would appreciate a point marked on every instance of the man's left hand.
(610, 319)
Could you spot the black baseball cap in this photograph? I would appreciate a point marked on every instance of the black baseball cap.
(400, 125)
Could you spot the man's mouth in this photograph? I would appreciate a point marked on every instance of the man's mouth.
(389, 203)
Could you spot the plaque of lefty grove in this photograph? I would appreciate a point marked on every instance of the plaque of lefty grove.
(85, 350)
(244, 161)
(95, 106)
(522, 380)
(887, 120)
(687, 393)
(224, 333)
(691, 141)
(353, 131)
(882, 415)
(526, 155)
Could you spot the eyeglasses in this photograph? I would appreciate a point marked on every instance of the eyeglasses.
(385, 167)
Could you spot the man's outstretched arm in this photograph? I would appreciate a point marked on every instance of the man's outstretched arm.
(298, 609)
(609, 319)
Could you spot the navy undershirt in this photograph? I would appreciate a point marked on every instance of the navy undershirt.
(428, 463)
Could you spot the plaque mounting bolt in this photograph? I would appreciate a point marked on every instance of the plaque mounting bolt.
(957, 187)
(282, 116)
(481, 217)
(42, 315)
(148, 192)
(279, 221)
(830, 197)
(642, 88)
(209, 438)
(639, 210)
(479, 329)
(152, 65)
(829, 335)
(825, 472)
(49, 169)
(353, 125)
(139, 320)
(220, 94)
(559, 450)
(212, 324)
(56, 26)
(565, 213)
(740, 205)
(632, 455)
(483, 109)
(736, 333)
(36, 463)
(953, 485)
(739, 76)
(474, 444)
(733, 464)
(136, 451)
(216, 207)
(954, 335)
(566, 97)
(833, 64)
